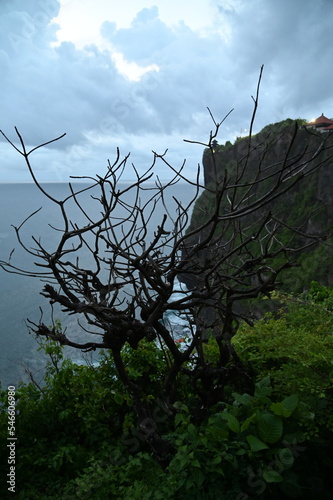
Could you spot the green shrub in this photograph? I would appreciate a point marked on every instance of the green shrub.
(78, 438)
(247, 448)
(295, 347)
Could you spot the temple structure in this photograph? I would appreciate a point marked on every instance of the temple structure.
(322, 124)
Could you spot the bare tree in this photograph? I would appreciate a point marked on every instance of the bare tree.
(127, 288)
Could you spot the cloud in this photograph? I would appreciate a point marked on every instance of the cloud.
(291, 39)
(144, 39)
(26, 24)
(148, 85)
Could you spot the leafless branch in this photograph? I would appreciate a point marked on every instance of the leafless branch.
(127, 286)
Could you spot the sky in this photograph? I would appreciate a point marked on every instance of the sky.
(140, 75)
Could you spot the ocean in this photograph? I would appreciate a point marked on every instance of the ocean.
(20, 297)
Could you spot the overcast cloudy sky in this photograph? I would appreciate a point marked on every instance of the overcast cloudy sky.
(139, 74)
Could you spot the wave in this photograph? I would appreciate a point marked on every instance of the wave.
(178, 323)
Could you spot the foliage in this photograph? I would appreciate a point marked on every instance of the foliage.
(271, 129)
(282, 126)
(79, 439)
(294, 345)
(305, 208)
(249, 439)
(213, 459)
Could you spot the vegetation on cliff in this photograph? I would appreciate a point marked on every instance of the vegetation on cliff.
(307, 207)
(78, 435)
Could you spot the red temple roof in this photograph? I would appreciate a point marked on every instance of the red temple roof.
(321, 120)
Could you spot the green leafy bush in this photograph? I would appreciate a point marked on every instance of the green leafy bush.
(78, 437)
(246, 448)
(295, 347)
(242, 449)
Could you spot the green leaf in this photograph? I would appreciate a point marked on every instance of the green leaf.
(278, 409)
(128, 400)
(179, 418)
(204, 440)
(290, 403)
(192, 431)
(286, 407)
(263, 388)
(241, 451)
(269, 427)
(232, 421)
(248, 421)
(181, 406)
(189, 483)
(199, 478)
(118, 398)
(217, 423)
(244, 399)
(255, 443)
(271, 476)
(183, 462)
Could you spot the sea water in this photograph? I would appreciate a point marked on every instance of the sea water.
(20, 297)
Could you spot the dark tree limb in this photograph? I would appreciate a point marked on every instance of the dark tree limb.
(127, 287)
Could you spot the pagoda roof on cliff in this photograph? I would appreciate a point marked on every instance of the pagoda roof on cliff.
(321, 120)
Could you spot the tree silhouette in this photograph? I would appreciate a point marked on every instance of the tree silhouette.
(127, 287)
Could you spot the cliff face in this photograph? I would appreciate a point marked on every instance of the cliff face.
(269, 146)
(313, 195)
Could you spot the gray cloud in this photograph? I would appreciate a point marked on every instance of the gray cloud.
(291, 38)
(47, 90)
(144, 40)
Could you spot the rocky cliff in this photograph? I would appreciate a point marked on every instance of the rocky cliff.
(308, 205)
